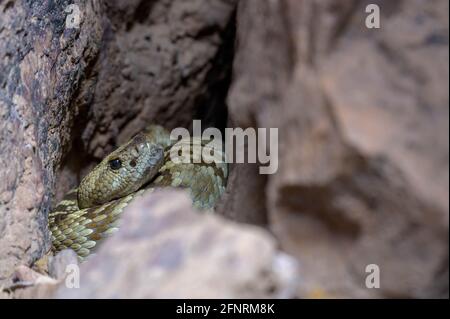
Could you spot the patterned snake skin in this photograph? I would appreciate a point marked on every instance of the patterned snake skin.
(91, 212)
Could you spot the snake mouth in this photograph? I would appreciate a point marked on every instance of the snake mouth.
(154, 163)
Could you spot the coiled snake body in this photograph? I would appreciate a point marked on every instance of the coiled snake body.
(91, 212)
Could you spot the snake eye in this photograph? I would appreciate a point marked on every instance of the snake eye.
(115, 164)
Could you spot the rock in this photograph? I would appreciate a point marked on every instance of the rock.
(237, 202)
(165, 249)
(38, 85)
(363, 139)
(58, 264)
(363, 142)
(26, 275)
(70, 95)
(30, 283)
(27, 283)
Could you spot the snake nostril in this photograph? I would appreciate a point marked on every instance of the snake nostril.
(133, 163)
(135, 151)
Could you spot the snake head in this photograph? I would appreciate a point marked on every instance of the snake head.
(122, 172)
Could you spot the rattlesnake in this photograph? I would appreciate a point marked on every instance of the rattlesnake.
(91, 212)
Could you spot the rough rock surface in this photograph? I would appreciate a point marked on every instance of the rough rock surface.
(41, 67)
(66, 93)
(363, 124)
(164, 249)
(35, 283)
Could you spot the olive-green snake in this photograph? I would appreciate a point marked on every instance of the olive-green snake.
(91, 212)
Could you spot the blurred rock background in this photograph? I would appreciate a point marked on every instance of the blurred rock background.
(363, 118)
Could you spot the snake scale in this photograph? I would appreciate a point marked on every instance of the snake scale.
(91, 212)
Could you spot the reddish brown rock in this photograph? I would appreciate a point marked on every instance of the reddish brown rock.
(363, 125)
(165, 249)
(66, 93)
(42, 65)
(363, 120)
